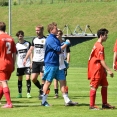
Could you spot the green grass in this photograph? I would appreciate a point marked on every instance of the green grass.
(78, 91)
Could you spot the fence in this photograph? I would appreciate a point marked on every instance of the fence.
(19, 2)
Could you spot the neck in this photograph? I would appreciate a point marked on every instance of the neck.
(99, 40)
(2, 32)
(40, 36)
(21, 41)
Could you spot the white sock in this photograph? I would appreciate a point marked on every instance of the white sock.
(44, 98)
(66, 98)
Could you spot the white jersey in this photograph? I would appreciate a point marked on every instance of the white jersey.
(39, 49)
(22, 49)
(62, 57)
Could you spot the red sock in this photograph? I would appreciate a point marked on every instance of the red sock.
(92, 97)
(1, 92)
(104, 95)
(6, 92)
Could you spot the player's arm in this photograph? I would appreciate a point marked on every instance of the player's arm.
(107, 68)
(114, 60)
(28, 54)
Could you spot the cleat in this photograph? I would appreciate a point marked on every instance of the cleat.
(70, 103)
(45, 104)
(94, 108)
(28, 95)
(56, 96)
(19, 95)
(7, 106)
(40, 97)
(107, 106)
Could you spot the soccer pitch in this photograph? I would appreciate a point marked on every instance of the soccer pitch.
(78, 91)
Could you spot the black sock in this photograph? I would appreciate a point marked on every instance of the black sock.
(28, 85)
(38, 84)
(56, 91)
(19, 86)
(41, 91)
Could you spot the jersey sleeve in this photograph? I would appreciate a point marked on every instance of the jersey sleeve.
(33, 42)
(100, 55)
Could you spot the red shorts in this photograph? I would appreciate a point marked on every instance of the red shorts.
(102, 81)
(4, 75)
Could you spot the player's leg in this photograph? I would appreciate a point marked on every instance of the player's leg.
(41, 65)
(19, 84)
(28, 81)
(56, 88)
(104, 89)
(49, 74)
(1, 90)
(6, 90)
(93, 88)
(35, 74)
(20, 73)
(61, 77)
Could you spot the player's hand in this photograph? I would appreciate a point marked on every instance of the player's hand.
(111, 73)
(24, 62)
(114, 67)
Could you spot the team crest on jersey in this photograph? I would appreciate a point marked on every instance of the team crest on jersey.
(42, 41)
(26, 45)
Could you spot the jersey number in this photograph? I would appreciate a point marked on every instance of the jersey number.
(8, 45)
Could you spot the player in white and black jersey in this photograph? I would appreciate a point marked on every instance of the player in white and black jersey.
(66, 52)
(22, 48)
(38, 50)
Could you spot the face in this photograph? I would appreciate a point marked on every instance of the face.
(104, 38)
(39, 31)
(54, 30)
(20, 37)
(58, 35)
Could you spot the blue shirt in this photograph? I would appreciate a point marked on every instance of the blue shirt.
(52, 51)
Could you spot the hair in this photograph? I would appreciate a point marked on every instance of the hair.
(61, 32)
(102, 32)
(2, 26)
(40, 26)
(51, 26)
(20, 32)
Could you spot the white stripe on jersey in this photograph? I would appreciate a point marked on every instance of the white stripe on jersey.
(39, 49)
(22, 49)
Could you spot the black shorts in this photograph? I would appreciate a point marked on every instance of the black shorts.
(37, 67)
(23, 71)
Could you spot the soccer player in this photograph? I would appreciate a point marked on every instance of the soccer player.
(22, 47)
(53, 50)
(38, 45)
(7, 66)
(66, 60)
(97, 71)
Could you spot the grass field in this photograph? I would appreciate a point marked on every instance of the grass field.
(78, 91)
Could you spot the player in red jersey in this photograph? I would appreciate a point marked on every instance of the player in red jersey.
(7, 63)
(97, 71)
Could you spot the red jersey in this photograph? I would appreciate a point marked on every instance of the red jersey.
(7, 48)
(95, 68)
(115, 50)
